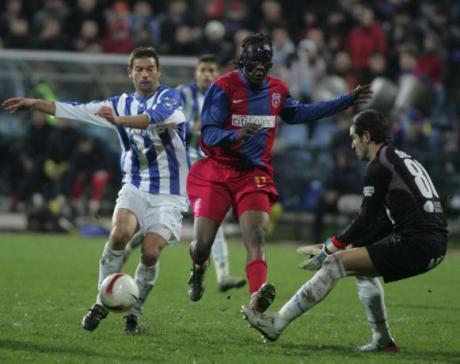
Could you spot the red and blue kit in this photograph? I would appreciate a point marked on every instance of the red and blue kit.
(238, 173)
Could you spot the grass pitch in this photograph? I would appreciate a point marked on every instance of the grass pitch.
(48, 282)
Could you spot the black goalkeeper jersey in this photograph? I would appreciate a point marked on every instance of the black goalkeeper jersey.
(399, 197)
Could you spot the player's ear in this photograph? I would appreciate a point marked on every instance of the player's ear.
(366, 137)
(129, 69)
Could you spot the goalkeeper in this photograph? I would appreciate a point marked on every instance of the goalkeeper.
(400, 211)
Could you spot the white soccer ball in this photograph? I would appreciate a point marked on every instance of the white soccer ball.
(119, 292)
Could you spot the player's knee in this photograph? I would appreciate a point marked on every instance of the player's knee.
(119, 237)
(149, 258)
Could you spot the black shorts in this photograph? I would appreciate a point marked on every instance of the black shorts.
(398, 257)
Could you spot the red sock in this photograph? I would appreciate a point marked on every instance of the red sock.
(256, 271)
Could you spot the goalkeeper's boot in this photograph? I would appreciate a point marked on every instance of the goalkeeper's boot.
(229, 282)
(390, 347)
(262, 322)
(93, 317)
(263, 298)
(131, 325)
(196, 282)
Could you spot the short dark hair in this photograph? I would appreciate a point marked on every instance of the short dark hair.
(258, 39)
(144, 52)
(208, 58)
(374, 123)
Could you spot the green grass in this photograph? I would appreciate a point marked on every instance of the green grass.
(48, 282)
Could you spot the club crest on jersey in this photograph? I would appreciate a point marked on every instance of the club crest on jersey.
(169, 102)
(276, 99)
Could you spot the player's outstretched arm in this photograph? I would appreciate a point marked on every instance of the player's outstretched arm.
(15, 104)
(134, 121)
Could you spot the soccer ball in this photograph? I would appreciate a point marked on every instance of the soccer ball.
(119, 292)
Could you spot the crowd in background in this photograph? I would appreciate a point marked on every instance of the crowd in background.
(408, 50)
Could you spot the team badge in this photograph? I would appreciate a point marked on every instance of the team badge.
(276, 99)
(169, 102)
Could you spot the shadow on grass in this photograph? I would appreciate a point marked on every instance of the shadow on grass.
(15, 345)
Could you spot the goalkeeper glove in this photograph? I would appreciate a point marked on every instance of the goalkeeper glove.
(318, 253)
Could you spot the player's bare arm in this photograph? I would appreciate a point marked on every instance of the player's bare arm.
(134, 121)
(15, 104)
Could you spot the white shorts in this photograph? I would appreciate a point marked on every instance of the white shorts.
(154, 212)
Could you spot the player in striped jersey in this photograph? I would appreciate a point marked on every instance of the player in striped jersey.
(150, 124)
(239, 119)
(192, 94)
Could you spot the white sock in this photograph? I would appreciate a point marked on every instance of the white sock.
(219, 254)
(312, 292)
(146, 278)
(370, 292)
(111, 262)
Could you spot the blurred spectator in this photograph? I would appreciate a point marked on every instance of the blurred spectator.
(429, 63)
(283, 46)
(377, 68)
(117, 37)
(342, 67)
(88, 39)
(85, 12)
(236, 13)
(177, 14)
(343, 181)
(365, 39)
(144, 26)
(214, 41)
(272, 16)
(31, 158)
(52, 9)
(18, 36)
(306, 70)
(184, 41)
(61, 145)
(336, 30)
(213, 9)
(51, 36)
(88, 174)
(9, 18)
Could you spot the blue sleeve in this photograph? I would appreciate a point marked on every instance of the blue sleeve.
(165, 106)
(294, 112)
(213, 116)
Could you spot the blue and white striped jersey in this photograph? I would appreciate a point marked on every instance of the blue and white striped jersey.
(193, 100)
(153, 159)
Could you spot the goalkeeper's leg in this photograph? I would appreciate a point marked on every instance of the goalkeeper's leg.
(350, 262)
(370, 292)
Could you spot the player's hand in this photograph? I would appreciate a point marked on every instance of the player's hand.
(361, 94)
(108, 114)
(317, 254)
(248, 130)
(18, 103)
